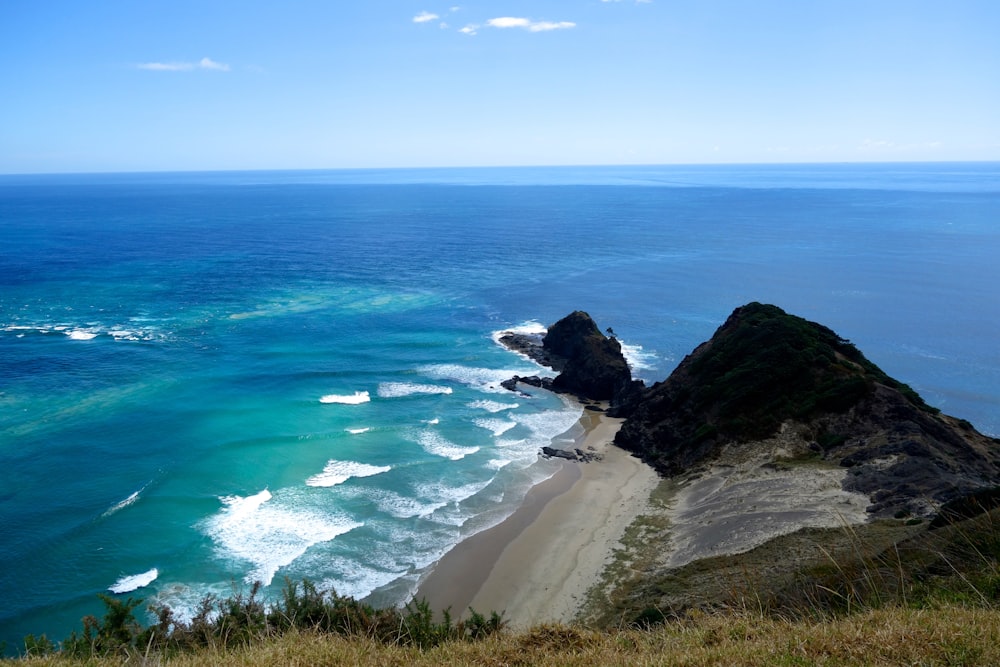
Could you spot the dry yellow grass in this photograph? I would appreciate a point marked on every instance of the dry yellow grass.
(892, 636)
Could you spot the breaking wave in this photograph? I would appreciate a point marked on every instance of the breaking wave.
(356, 398)
(337, 472)
(134, 582)
(400, 389)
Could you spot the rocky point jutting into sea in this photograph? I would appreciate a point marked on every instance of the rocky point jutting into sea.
(774, 427)
(766, 374)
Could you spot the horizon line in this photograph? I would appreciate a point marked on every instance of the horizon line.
(486, 167)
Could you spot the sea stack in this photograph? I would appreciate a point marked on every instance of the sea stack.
(591, 365)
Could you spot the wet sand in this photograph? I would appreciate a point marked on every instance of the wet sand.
(538, 564)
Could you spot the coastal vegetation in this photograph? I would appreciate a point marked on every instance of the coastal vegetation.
(244, 620)
(948, 634)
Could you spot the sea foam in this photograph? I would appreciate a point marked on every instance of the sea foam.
(356, 398)
(435, 443)
(483, 379)
(134, 582)
(122, 504)
(403, 507)
(531, 328)
(497, 426)
(270, 533)
(337, 472)
(400, 389)
(639, 359)
(492, 406)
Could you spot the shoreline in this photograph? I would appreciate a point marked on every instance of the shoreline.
(538, 564)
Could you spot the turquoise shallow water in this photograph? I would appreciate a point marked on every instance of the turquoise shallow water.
(208, 379)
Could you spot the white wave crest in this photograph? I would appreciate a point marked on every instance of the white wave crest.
(337, 472)
(85, 331)
(492, 406)
(270, 534)
(356, 398)
(454, 510)
(135, 581)
(449, 495)
(400, 389)
(122, 504)
(637, 358)
(357, 431)
(403, 507)
(497, 426)
(435, 443)
(483, 379)
(357, 579)
(530, 328)
(497, 464)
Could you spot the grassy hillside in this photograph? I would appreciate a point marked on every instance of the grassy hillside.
(949, 635)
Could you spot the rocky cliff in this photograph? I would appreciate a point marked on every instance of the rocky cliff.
(590, 364)
(766, 373)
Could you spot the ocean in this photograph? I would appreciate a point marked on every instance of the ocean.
(211, 379)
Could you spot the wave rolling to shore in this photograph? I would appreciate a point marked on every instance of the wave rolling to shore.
(538, 564)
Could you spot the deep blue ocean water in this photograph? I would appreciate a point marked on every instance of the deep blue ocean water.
(210, 379)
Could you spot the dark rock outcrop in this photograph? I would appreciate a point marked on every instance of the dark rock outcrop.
(595, 367)
(590, 364)
(575, 455)
(764, 369)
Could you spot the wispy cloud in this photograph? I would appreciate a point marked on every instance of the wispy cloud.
(470, 29)
(424, 17)
(528, 24)
(204, 63)
(208, 63)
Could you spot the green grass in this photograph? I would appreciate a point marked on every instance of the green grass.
(947, 635)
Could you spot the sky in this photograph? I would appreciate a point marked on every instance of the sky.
(155, 85)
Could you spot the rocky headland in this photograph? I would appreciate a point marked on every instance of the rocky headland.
(766, 374)
(773, 386)
(785, 455)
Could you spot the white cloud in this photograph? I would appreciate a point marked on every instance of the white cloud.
(166, 67)
(528, 24)
(470, 29)
(208, 63)
(424, 17)
(545, 26)
(204, 63)
(509, 22)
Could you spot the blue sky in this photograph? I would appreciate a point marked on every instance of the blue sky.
(127, 85)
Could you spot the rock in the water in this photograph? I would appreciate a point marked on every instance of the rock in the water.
(591, 365)
(595, 367)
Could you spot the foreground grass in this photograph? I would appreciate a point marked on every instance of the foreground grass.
(948, 635)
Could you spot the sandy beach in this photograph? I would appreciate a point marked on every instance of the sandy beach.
(538, 564)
